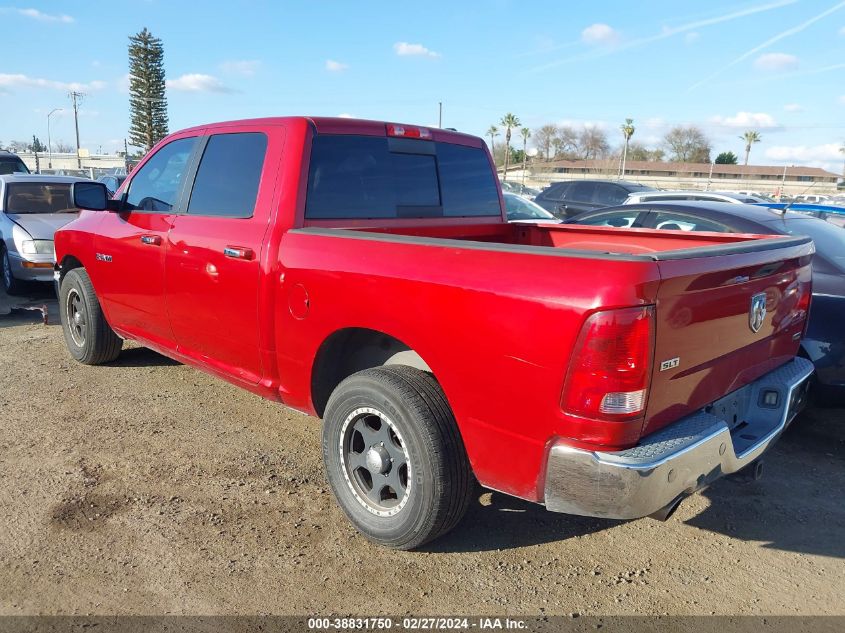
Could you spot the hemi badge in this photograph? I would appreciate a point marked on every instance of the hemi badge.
(670, 364)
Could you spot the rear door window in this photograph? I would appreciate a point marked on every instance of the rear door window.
(581, 192)
(556, 192)
(609, 195)
(369, 177)
(228, 176)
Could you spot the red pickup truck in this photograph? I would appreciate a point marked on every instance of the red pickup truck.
(365, 273)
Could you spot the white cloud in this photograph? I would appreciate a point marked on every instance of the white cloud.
(692, 37)
(793, 107)
(842, 31)
(345, 115)
(758, 120)
(404, 49)
(243, 67)
(667, 32)
(35, 14)
(600, 34)
(8, 81)
(842, 99)
(197, 82)
(335, 66)
(776, 61)
(805, 153)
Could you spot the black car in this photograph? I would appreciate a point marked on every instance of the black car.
(12, 164)
(112, 182)
(824, 343)
(571, 197)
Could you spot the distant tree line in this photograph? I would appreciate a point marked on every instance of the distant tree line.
(35, 145)
(682, 143)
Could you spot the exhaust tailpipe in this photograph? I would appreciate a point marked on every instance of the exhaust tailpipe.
(668, 510)
(750, 473)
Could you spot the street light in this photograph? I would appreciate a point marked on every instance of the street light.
(49, 144)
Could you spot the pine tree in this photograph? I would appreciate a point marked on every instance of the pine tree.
(147, 100)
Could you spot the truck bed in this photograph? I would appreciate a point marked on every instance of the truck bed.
(598, 241)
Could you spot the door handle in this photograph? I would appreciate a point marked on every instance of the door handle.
(237, 252)
(153, 240)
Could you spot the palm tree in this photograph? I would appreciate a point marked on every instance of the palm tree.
(509, 121)
(750, 137)
(628, 130)
(525, 134)
(493, 132)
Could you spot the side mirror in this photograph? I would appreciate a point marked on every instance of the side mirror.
(90, 195)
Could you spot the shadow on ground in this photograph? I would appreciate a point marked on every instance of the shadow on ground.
(29, 307)
(498, 521)
(801, 489)
(142, 357)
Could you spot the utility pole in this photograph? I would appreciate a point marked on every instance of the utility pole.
(440, 114)
(49, 144)
(76, 98)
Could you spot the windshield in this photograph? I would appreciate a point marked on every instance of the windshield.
(521, 209)
(828, 238)
(33, 197)
(13, 165)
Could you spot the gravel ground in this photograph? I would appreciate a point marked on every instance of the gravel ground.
(147, 487)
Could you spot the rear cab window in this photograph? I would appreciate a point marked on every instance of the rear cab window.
(373, 177)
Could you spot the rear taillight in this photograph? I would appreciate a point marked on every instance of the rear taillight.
(803, 304)
(407, 131)
(611, 365)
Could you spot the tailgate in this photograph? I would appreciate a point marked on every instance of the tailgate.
(725, 319)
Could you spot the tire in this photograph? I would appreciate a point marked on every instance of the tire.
(89, 338)
(11, 284)
(407, 421)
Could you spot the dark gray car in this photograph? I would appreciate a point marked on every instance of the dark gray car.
(571, 197)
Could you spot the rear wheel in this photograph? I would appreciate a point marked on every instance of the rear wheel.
(11, 285)
(88, 336)
(394, 457)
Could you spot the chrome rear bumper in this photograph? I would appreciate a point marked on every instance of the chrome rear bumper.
(681, 458)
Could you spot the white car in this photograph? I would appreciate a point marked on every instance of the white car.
(521, 209)
(812, 199)
(708, 196)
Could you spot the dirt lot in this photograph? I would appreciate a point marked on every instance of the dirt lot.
(148, 487)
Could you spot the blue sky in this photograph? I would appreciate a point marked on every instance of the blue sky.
(777, 66)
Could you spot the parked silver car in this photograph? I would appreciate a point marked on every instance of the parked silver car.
(32, 208)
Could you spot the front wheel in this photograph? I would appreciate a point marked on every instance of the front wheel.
(11, 284)
(88, 336)
(394, 457)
